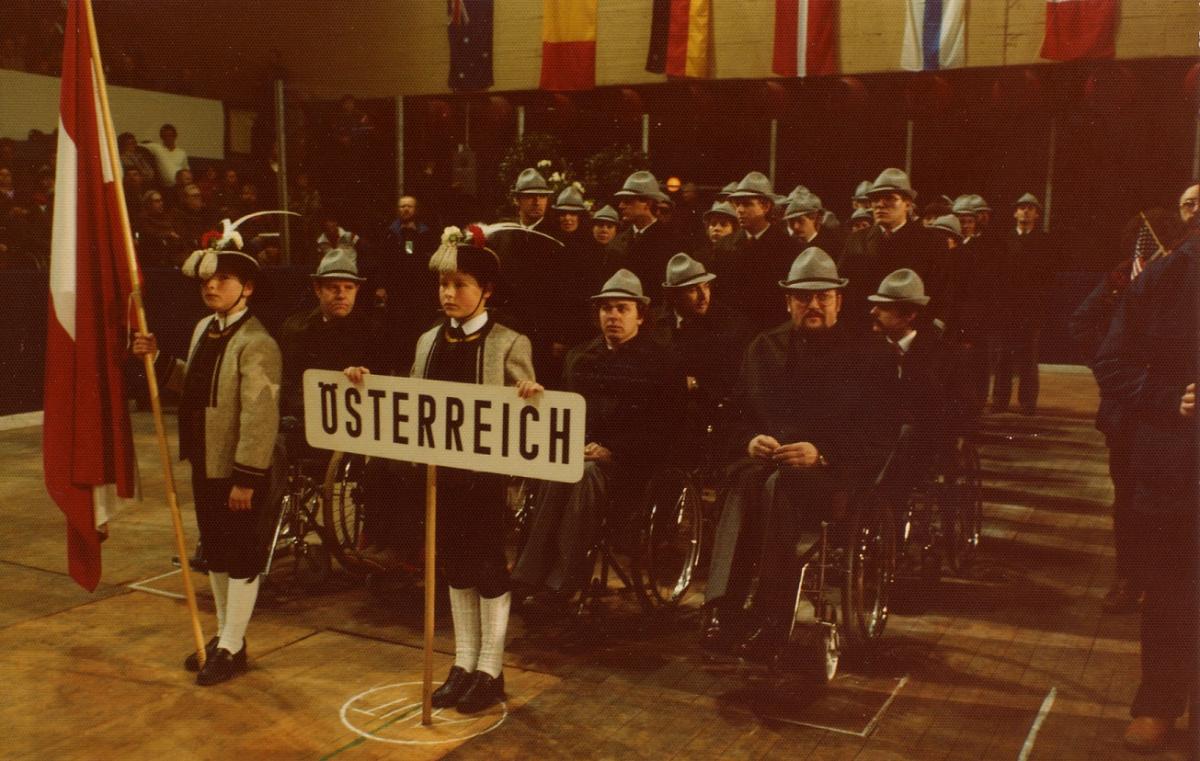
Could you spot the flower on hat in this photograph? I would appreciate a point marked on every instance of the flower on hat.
(452, 236)
(544, 164)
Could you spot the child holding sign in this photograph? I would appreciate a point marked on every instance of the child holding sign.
(470, 347)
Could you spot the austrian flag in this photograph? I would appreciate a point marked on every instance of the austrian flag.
(87, 446)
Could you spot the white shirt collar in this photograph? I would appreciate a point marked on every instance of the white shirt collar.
(473, 325)
(905, 343)
(531, 225)
(226, 321)
(639, 230)
(759, 234)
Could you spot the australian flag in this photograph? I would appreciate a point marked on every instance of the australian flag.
(470, 31)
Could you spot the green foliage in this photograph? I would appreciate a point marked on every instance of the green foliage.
(604, 172)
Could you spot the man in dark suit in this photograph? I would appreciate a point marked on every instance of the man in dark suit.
(803, 216)
(647, 244)
(893, 242)
(760, 254)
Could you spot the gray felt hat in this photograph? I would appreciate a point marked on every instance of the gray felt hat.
(722, 209)
(683, 272)
(979, 203)
(964, 205)
(338, 264)
(607, 214)
(892, 180)
(725, 191)
(754, 185)
(901, 287)
(641, 185)
(531, 182)
(862, 214)
(949, 224)
(622, 285)
(813, 270)
(801, 204)
(570, 199)
(861, 190)
(1028, 199)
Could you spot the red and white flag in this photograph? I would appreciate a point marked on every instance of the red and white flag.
(1078, 29)
(805, 38)
(87, 446)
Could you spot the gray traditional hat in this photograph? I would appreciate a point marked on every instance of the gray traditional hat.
(804, 203)
(892, 180)
(861, 190)
(622, 285)
(799, 190)
(813, 270)
(754, 185)
(949, 224)
(1029, 199)
(683, 272)
(721, 208)
(606, 214)
(531, 182)
(979, 203)
(641, 185)
(862, 214)
(338, 264)
(964, 205)
(570, 199)
(725, 191)
(901, 287)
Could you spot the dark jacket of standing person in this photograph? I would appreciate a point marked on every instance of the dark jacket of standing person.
(646, 254)
(869, 255)
(1025, 280)
(750, 267)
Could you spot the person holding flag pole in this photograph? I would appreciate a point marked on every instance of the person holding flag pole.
(87, 441)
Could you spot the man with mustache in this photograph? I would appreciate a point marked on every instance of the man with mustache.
(808, 399)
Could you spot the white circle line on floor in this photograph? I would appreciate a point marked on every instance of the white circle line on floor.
(406, 704)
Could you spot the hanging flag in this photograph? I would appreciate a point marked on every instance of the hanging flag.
(805, 38)
(470, 32)
(680, 37)
(87, 446)
(935, 35)
(568, 44)
(1080, 29)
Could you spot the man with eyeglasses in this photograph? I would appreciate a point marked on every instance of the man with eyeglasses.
(890, 244)
(811, 428)
(1188, 203)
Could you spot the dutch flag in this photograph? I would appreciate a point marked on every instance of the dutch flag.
(935, 35)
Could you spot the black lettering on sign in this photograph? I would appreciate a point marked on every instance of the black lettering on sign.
(328, 406)
(376, 394)
(504, 431)
(353, 399)
(480, 426)
(454, 421)
(528, 452)
(398, 417)
(426, 413)
(560, 436)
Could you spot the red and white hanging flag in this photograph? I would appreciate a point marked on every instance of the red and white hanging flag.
(805, 38)
(1077, 29)
(87, 445)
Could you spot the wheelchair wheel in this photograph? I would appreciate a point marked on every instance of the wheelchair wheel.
(963, 526)
(869, 568)
(520, 496)
(342, 509)
(669, 538)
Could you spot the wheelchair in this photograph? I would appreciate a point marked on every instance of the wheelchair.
(296, 503)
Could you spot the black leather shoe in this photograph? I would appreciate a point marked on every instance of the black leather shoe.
(222, 667)
(713, 637)
(192, 663)
(484, 692)
(457, 682)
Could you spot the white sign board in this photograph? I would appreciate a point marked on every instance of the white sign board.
(457, 425)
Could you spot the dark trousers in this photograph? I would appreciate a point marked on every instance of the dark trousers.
(235, 541)
(471, 531)
(1169, 656)
(1125, 523)
(737, 541)
(1016, 353)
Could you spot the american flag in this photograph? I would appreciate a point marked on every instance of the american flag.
(1145, 248)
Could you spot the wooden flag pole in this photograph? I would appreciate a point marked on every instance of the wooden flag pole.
(430, 596)
(143, 326)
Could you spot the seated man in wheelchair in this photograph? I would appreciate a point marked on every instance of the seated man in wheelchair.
(811, 431)
(634, 391)
(704, 335)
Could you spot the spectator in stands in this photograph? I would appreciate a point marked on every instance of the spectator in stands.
(1024, 283)
(133, 183)
(208, 184)
(334, 236)
(634, 391)
(158, 243)
(604, 225)
(760, 255)
(890, 244)
(403, 266)
(646, 245)
(134, 156)
(192, 218)
(228, 190)
(170, 158)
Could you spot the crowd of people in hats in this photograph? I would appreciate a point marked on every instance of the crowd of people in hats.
(829, 358)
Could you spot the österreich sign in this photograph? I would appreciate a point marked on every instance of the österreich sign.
(457, 425)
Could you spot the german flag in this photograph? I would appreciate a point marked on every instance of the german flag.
(568, 44)
(680, 38)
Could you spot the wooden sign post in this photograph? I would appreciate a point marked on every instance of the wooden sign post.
(459, 425)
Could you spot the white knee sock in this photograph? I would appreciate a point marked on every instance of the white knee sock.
(464, 610)
(493, 619)
(238, 609)
(219, 582)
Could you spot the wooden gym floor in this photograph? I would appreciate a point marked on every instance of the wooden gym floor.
(1014, 661)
